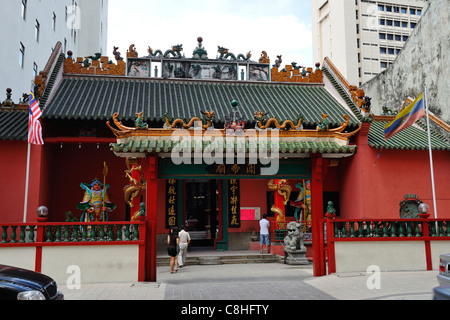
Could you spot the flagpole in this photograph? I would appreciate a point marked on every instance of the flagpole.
(25, 206)
(431, 155)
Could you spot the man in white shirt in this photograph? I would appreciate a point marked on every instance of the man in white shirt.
(264, 225)
(185, 240)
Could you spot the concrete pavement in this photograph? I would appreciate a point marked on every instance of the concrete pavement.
(271, 281)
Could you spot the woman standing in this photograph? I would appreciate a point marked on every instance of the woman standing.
(173, 240)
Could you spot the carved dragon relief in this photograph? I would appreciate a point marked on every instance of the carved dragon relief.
(123, 131)
(206, 121)
(263, 122)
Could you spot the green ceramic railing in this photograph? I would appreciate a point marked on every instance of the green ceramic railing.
(390, 228)
(69, 232)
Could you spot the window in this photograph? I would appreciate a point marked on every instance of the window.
(21, 55)
(382, 50)
(390, 51)
(37, 31)
(390, 36)
(382, 36)
(389, 22)
(413, 25)
(388, 8)
(396, 9)
(54, 21)
(404, 24)
(383, 64)
(380, 7)
(403, 10)
(35, 69)
(412, 11)
(398, 37)
(419, 12)
(405, 38)
(382, 22)
(24, 9)
(396, 23)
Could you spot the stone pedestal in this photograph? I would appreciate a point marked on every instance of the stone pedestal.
(295, 257)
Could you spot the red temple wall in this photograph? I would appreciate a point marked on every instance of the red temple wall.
(13, 163)
(71, 165)
(373, 188)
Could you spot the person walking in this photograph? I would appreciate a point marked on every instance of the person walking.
(173, 241)
(264, 238)
(185, 241)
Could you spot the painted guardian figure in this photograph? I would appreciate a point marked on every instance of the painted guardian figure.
(95, 203)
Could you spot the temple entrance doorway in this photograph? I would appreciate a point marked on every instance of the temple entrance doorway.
(201, 211)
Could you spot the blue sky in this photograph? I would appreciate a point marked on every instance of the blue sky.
(281, 27)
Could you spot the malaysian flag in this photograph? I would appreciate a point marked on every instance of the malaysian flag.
(34, 125)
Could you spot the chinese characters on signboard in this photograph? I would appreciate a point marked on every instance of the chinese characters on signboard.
(234, 207)
(171, 203)
(235, 169)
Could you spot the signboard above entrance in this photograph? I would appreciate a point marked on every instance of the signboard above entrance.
(289, 168)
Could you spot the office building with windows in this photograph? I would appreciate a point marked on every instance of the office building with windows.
(31, 29)
(362, 37)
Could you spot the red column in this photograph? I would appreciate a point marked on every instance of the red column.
(426, 235)
(317, 215)
(151, 239)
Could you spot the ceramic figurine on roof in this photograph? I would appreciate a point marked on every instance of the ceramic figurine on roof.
(366, 104)
(117, 54)
(175, 51)
(200, 52)
(139, 122)
(132, 53)
(324, 123)
(155, 54)
(278, 62)
(264, 58)
(225, 54)
(234, 121)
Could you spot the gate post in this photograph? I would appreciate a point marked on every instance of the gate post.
(319, 268)
(151, 238)
(330, 243)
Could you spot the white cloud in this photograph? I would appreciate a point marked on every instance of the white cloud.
(273, 27)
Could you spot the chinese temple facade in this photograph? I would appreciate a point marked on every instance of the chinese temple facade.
(212, 144)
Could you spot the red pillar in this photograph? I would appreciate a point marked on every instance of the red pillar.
(319, 268)
(151, 239)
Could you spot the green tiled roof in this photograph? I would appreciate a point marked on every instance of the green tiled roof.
(343, 94)
(98, 98)
(285, 147)
(411, 138)
(13, 125)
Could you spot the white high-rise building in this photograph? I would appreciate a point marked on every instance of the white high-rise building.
(30, 30)
(362, 38)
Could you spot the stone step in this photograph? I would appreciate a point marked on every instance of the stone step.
(225, 259)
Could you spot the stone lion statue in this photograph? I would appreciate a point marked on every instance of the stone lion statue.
(293, 240)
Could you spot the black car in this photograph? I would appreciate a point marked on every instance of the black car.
(21, 284)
